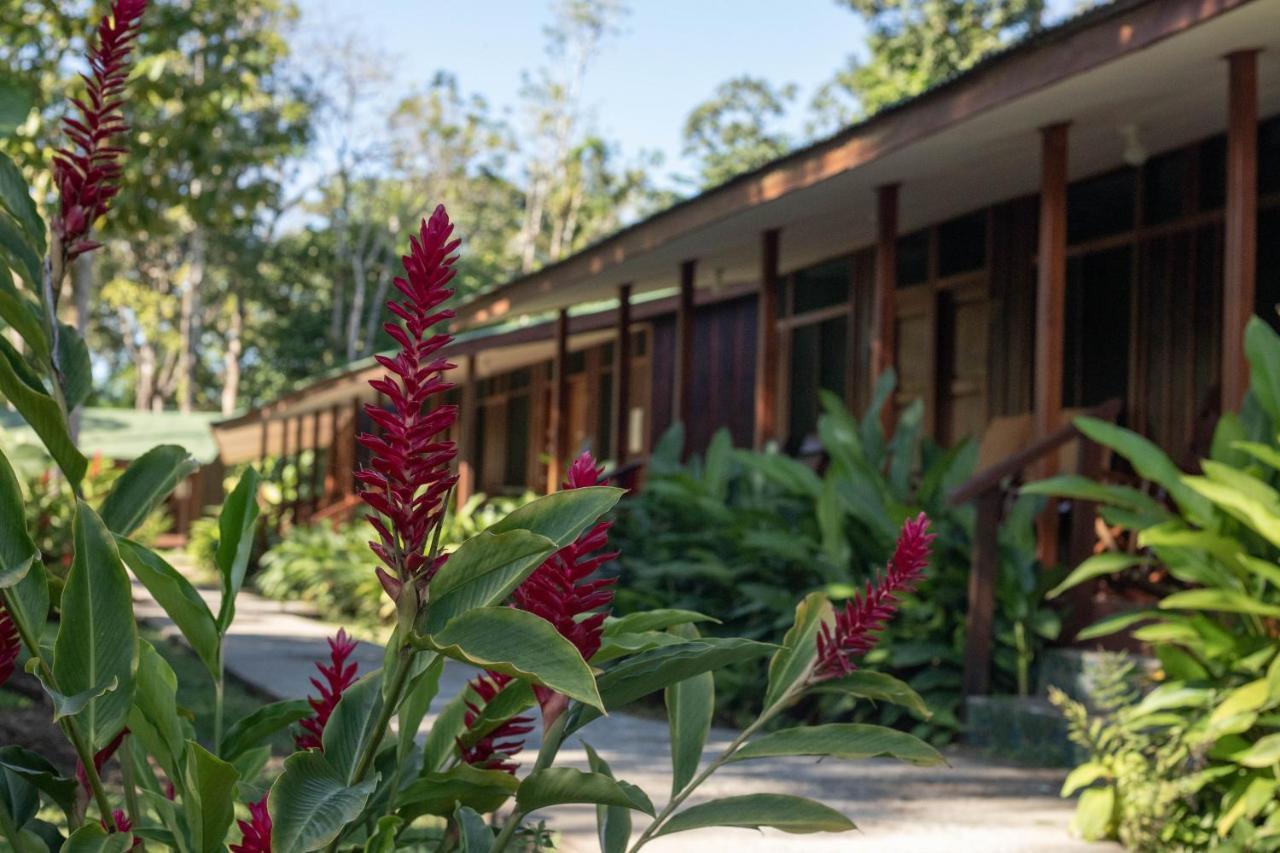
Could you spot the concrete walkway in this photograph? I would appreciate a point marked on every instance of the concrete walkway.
(972, 805)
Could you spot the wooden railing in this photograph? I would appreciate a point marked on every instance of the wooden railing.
(989, 491)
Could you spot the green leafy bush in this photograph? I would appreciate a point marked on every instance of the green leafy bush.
(1208, 547)
(738, 534)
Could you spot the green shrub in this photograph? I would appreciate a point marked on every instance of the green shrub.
(1209, 548)
(738, 534)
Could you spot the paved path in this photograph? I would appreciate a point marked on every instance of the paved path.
(970, 806)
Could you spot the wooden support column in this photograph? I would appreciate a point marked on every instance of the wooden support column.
(467, 443)
(980, 618)
(331, 479)
(317, 470)
(683, 385)
(622, 378)
(884, 313)
(1241, 247)
(1051, 297)
(296, 504)
(767, 341)
(558, 417)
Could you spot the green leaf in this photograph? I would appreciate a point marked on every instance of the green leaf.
(1099, 565)
(42, 775)
(1095, 813)
(417, 701)
(20, 253)
(621, 645)
(448, 725)
(753, 811)
(1081, 488)
(249, 732)
(791, 663)
(440, 793)
(209, 798)
(23, 314)
(1116, 622)
(690, 704)
(351, 726)
(1082, 777)
(15, 197)
(71, 704)
(147, 481)
(519, 644)
(1264, 753)
(236, 523)
(383, 839)
(561, 516)
(854, 741)
(1224, 600)
(482, 572)
(310, 803)
(1149, 461)
(511, 701)
(178, 597)
(92, 838)
(868, 684)
(75, 369)
(153, 720)
(16, 102)
(613, 823)
(1262, 348)
(653, 620)
(41, 412)
(97, 638)
(561, 785)
(474, 835)
(1252, 797)
(17, 549)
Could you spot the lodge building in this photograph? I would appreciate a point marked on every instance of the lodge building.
(1089, 216)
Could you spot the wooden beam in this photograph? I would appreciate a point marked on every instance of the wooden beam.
(1051, 298)
(467, 443)
(683, 386)
(558, 416)
(767, 341)
(1241, 248)
(622, 378)
(980, 618)
(884, 313)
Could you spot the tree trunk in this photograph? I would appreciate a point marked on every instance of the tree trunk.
(356, 314)
(231, 358)
(187, 330)
(145, 388)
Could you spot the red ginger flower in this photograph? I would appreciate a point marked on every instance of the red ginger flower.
(559, 591)
(100, 759)
(408, 477)
(494, 750)
(87, 172)
(122, 824)
(255, 833)
(858, 624)
(10, 644)
(338, 676)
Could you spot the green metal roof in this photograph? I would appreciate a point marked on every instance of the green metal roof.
(126, 434)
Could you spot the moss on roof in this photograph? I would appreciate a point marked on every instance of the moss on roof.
(126, 434)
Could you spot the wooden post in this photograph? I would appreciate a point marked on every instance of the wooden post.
(622, 378)
(1241, 248)
(296, 504)
(558, 417)
(467, 435)
(767, 341)
(980, 619)
(262, 445)
(683, 385)
(317, 470)
(331, 478)
(884, 313)
(1051, 297)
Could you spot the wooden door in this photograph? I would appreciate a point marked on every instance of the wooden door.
(915, 354)
(963, 341)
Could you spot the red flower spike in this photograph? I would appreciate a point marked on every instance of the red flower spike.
(255, 833)
(87, 172)
(559, 591)
(10, 644)
(857, 626)
(122, 824)
(338, 676)
(408, 476)
(100, 758)
(495, 749)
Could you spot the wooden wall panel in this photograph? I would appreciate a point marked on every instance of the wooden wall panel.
(1012, 315)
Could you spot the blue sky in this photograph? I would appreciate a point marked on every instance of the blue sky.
(670, 55)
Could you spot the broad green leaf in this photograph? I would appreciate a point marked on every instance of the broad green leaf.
(1082, 777)
(1268, 571)
(1099, 565)
(417, 701)
(792, 663)
(1095, 813)
(97, 638)
(42, 775)
(1246, 498)
(147, 481)
(868, 684)
(1264, 753)
(520, 644)
(613, 823)
(651, 671)
(440, 793)
(351, 726)
(153, 720)
(690, 705)
(1149, 461)
(22, 256)
(383, 839)
(561, 785)
(1262, 348)
(1224, 600)
(23, 314)
(653, 620)
(449, 725)
(1265, 453)
(753, 811)
(474, 835)
(92, 838)
(1081, 488)
(561, 516)
(70, 704)
(16, 101)
(853, 741)
(483, 572)
(512, 700)
(74, 367)
(178, 597)
(209, 798)
(310, 803)
(17, 549)
(249, 732)
(236, 523)
(1241, 704)
(1252, 797)
(15, 197)
(1116, 622)
(621, 645)
(41, 412)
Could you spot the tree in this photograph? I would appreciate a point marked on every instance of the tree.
(736, 130)
(915, 44)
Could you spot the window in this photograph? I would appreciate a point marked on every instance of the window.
(913, 259)
(821, 286)
(1164, 188)
(518, 428)
(1101, 206)
(962, 244)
